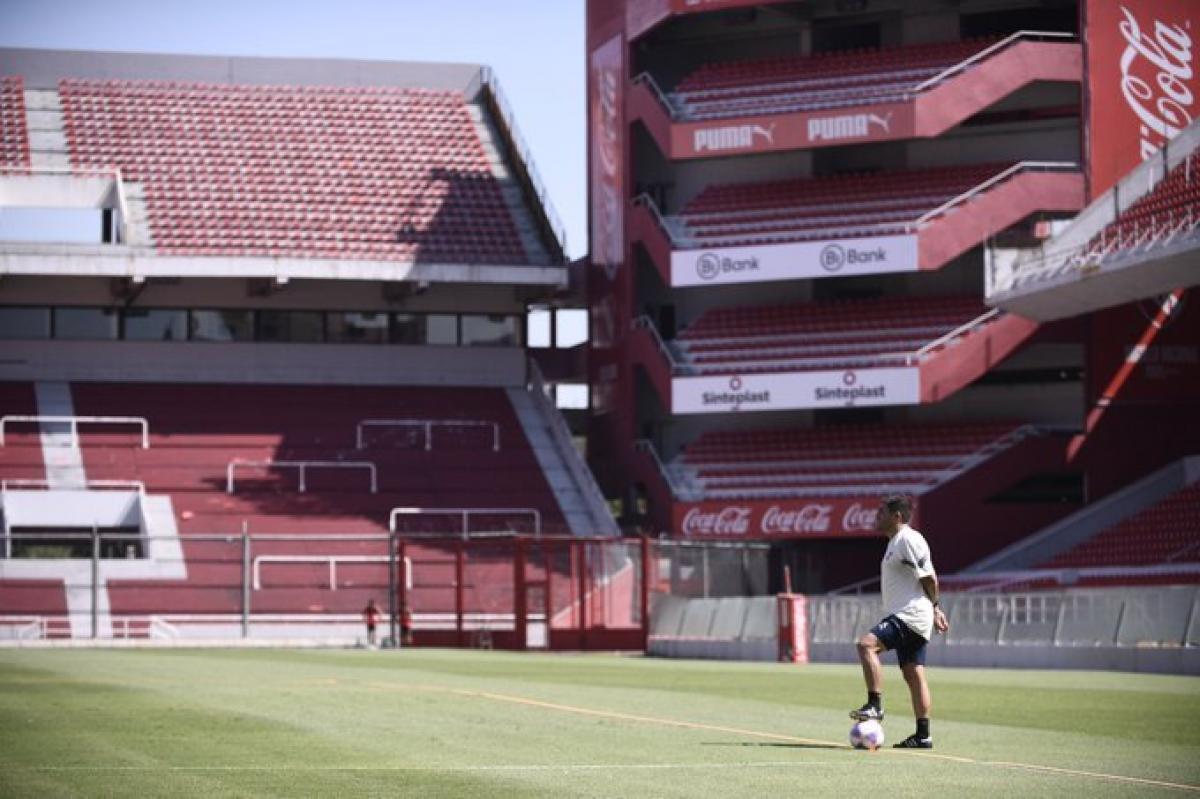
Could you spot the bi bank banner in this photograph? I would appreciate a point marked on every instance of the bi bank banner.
(808, 517)
(772, 391)
(794, 261)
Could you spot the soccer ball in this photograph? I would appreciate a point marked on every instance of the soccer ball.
(867, 735)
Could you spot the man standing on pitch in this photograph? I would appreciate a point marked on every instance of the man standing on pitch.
(910, 602)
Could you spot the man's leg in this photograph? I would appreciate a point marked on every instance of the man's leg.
(869, 647)
(918, 687)
(914, 675)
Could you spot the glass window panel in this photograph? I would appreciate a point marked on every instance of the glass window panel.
(301, 326)
(85, 323)
(490, 331)
(537, 325)
(572, 327)
(24, 323)
(222, 325)
(158, 325)
(408, 328)
(358, 328)
(441, 329)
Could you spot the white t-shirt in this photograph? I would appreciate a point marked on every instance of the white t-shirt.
(905, 562)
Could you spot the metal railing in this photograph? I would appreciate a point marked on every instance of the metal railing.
(303, 467)
(586, 483)
(646, 323)
(488, 79)
(88, 485)
(428, 425)
(987, 51)
(992, 181)
(465, 514)
(330, 561)
(75, 421)
(945, 338)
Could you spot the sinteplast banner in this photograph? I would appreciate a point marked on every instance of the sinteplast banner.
(795, 260)
(835, 388)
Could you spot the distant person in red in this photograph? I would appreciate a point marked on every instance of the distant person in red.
(371, 616)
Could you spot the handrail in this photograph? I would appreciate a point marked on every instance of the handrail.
(487, 77)
(596, 501)
(953, 334)
(646, 201)
(994, 179)
(466, 514)
(646, 323)
(331, 560)
(647, 446)
(960, 66)
(75, 422)
(648, 79)
(428, 424)
(88, 484)
(303, 466)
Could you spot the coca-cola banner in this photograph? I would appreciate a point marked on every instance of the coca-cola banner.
(607, 159)
(1142, 81)
(839, 517)
(826, 128)
(833, 388)
(799, 260)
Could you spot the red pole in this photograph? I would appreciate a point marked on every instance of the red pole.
(580, 549)
(549, 599)
(520, 601)
(647, 576)
(458, 593)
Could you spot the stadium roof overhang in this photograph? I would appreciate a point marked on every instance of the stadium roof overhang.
(140, 263)
(1090, 285)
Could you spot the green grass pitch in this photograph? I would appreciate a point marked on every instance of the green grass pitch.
(426, 723)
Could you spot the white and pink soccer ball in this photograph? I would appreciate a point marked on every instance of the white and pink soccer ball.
(867, 735)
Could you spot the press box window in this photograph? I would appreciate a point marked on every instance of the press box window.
(24, 323)
(418, 329)
(222, 325)
(85, 323)
(299, 326)
(357, 328)
(143, 325)
(490, 331)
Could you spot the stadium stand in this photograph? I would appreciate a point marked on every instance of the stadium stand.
(300, 171)
(14, 132)
(1167, 532)
(198, 430)
(828, 80)
(21, 455)
(1167, 212)
(842, 206)
(843, 460)
(828, 335)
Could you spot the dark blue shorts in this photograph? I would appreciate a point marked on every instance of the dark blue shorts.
(895, 634)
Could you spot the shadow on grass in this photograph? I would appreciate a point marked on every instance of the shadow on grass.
(774, 744)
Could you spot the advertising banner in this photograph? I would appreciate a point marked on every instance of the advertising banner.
(799, 260)
(807, 517)
(607, 146)
(836, 388)
(827, 127)
(1142, 81)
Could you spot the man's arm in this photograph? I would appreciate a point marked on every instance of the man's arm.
(930, 586)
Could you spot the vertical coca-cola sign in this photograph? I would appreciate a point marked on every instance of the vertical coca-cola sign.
(1142, 81)
(607, 156)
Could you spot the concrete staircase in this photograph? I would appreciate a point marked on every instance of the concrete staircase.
(578, 495)
(48, 152)
(514, 196)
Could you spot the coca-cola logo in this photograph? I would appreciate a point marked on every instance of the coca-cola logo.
(858, 517)
(730, 520)
(811, 518)
(1162, 104)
